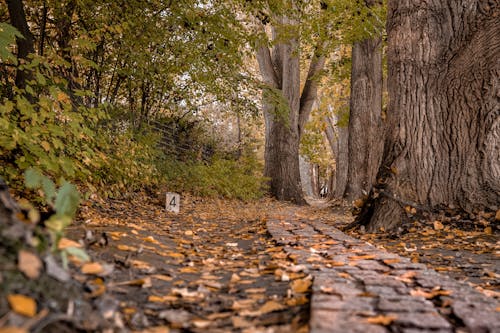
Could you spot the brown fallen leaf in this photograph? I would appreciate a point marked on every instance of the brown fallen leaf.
(382, 320)
(66, 242)
(162, 277)
(240, 322)
(23, 305)
(438, 225)
(488, 230)
(271, 306)
(162, 299)
(242, 304)
(92, 268)
(255, 290)
(12, 329)
(301, 285)
(363, 257)
(497, 215)
(144, 283)
(391, 261)
(29, 263)
(123, 247)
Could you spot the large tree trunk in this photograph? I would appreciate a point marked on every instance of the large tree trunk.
(25, 45)
(365, 137)
(443, 146)
(286, 110)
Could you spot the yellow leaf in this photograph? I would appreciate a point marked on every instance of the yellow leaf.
(92, 268)
(301, 285)
(22, 305)
(61, 97)
(45, 145)
(488, 230)
(29, 264)
(382, 320)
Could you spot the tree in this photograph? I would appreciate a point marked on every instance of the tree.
(365, 138)
(442, 146)
(286, 109)
(25, 45)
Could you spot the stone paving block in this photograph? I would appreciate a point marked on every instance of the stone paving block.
(337, 291)
(418, 330)
(341, 322)
(371, 265)
(382, 290)
(335, 303)
(403, 265)
(404, 304)
(344, 290)
(426, 320)
(477, 318)
(383, 280)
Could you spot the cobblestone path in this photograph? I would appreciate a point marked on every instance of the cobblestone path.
(360, 288)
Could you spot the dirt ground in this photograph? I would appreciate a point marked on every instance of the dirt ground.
(214, 267)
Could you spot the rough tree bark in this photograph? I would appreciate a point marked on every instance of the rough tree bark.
(280, 70)
(443, 143)
(25, 45)
(338, 137)
(365, 127)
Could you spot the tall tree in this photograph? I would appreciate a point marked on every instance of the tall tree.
(365, 137)
(25, 45)
(442, 146)
(286, 109)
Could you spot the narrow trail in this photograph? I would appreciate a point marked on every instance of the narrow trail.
(227, 266)
(211, 268)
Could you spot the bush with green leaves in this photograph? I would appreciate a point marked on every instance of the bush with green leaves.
(228, 178)
(64, 202)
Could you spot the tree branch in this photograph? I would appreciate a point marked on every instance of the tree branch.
(310, 90)
(266, 66)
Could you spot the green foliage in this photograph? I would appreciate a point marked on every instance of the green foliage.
(8, 36)
(233, 179)
(64, 201)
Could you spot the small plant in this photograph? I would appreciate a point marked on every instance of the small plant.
(64, 202)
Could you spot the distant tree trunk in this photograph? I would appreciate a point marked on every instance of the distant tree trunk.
(286, 112)
(365, 130)
(341, 161)
(25, 45)
(443, 143)
(338, 138)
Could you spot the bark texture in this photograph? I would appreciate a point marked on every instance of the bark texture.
(443, 146)
(286, 110)
(25, 45)
(365, 126)
(338, 137)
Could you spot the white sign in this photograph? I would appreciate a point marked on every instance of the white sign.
(173, 202)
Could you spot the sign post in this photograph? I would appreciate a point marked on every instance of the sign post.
(173, 202)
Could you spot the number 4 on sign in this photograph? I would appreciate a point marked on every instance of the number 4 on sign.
(173, 202)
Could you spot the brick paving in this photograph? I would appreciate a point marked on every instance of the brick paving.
(360, 288)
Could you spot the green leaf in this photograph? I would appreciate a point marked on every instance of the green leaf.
(67, 200)
(58, 222)
(49, 188)
(77, 252)
(32, 178)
